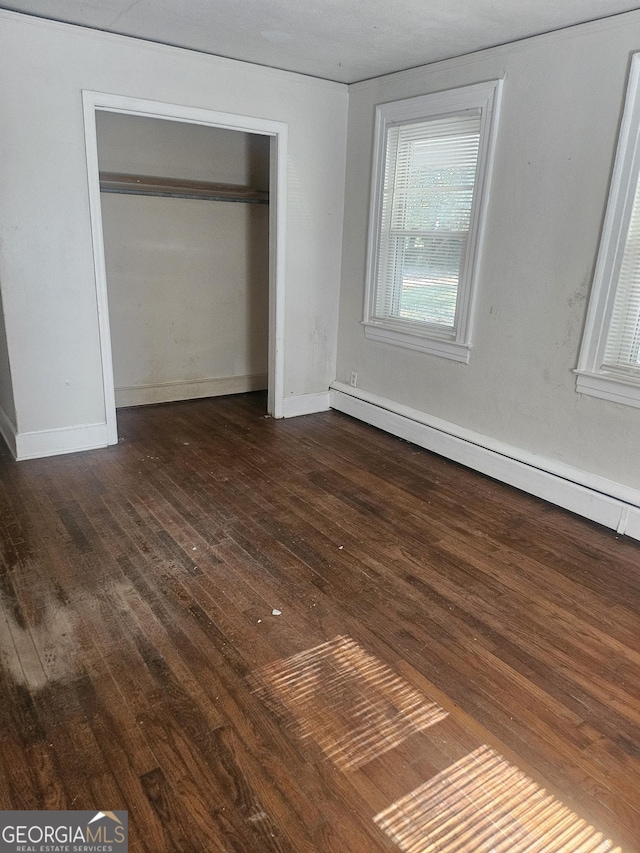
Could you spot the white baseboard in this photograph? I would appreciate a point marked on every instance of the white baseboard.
(53, 442)
(306, 404)
(609, 503)
(167, 392)
(632, 525)
(8, 431)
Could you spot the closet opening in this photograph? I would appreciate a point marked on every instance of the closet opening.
(187, 217)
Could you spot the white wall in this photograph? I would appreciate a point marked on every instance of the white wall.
(46, 267)
(562, 103)
(188, 297)
(188, 280)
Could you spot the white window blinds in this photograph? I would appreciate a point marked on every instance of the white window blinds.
(428, 190)
(609, 362)
(623, 340)
(430, 179)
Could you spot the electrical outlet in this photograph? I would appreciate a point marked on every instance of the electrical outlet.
(353, 379)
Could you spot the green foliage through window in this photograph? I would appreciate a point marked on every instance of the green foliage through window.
(429, 181)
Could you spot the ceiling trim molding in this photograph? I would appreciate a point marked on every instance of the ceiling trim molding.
(163, 47)
(614, 21)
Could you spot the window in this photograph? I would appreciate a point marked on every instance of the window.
(430, 178)
(609, 364)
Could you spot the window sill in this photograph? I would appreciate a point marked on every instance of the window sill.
(608, 386)
(411, 340)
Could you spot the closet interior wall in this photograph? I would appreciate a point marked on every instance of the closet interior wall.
(188, 278)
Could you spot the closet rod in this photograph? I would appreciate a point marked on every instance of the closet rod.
(196, 196)
(117, 182)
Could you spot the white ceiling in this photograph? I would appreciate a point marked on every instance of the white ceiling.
(344, 40)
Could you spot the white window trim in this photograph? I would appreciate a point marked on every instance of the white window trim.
(592, 378)
(413, 334)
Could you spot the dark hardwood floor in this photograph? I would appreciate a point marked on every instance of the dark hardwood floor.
(306, 635)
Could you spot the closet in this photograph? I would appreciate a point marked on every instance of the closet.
(186, 235)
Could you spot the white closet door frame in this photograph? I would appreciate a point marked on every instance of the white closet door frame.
(93, 101)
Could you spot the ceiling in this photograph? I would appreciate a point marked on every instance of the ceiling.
(343, 40)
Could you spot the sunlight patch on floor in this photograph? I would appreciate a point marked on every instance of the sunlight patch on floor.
(346, 700)
(483, 804)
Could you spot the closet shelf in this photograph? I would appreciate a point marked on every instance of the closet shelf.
(119, 182)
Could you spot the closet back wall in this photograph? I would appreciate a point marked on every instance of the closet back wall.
(188, 279)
